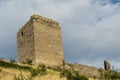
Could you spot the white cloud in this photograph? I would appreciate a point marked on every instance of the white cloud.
(90, 29)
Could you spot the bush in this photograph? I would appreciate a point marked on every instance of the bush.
(73, 75)
(80, 77)
(115, 75)
(43, 69)
(69, 75)
(38, 71)
(109, 75)
(16, 66)
(55, 68)
(28, 61)
(35, 72)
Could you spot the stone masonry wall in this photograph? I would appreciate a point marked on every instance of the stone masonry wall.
(25, 42)
(44, 43)
(48, 42)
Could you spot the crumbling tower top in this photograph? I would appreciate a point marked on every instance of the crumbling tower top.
(38, 18)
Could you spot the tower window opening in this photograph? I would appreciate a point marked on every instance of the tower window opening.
(22, 33)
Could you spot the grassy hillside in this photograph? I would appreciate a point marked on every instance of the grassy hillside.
(10, 71)
(10, 74)
(14, 71)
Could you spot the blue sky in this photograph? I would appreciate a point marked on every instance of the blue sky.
(90, 28)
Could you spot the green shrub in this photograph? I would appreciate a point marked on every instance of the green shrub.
(73, 75)
(115, 75)
(38, 71)
(80, 77)
(43, 69)
(55, 68)
(28, 61)
(35, 72)
(69, 75)
(16, 66)
(109, 75)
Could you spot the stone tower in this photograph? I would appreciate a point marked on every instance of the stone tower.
(40, 41)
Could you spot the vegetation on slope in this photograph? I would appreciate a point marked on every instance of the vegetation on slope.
(34, 71)
(109, 75)
(85, 70)
(13, 71)
(73, 75)
(13, 65)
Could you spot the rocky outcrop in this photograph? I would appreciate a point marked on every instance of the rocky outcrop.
(106, 65)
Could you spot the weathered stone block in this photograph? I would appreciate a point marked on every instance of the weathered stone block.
(106, 65)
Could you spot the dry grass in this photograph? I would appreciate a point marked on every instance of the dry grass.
(49, 77)
(93, 79)
(9, 74)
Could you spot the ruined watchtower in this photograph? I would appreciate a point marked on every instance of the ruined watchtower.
(40, 40)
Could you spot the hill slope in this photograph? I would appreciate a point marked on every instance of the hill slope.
(14, 71)
(11, 74)
(85, 70)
